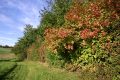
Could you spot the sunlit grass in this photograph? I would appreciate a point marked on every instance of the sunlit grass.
(35, 71)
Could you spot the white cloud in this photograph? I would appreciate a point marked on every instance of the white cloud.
(7, 41)
(5, 38)
(30, 13)
(21, 28)
(30, 20)
(26, 20)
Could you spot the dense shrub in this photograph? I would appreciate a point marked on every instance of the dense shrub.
(90, 35)
(54, 60)
(36, 51)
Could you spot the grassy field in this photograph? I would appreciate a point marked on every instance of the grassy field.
(29, 70)
(37, 71)
(5, 50)
(6, 54)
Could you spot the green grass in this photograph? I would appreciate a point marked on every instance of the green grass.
(36, 71)
(19, 73)
(39, 72)
(5, 50)
(6, 67)
(6, 54)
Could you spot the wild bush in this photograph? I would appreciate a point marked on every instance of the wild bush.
(88, 35)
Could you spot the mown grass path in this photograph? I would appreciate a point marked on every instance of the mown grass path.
(29, 70)
(38, 71)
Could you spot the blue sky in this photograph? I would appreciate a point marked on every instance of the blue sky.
(14, 14)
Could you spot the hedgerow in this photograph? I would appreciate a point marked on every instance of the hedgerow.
(90, 35)
(80, 35)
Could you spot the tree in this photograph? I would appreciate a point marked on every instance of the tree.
(24, 42)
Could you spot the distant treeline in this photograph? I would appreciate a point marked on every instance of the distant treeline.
(6, 46)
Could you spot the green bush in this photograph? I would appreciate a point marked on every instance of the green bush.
(54, 60)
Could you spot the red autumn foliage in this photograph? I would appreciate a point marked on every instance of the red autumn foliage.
(105, 23)
(103, 33)
(54, 35)
(84, 34)
(60, 32)
(87, 33)
(91, 20)
(63, 33)
(95, 10)
(73, 14)
(95, 14)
